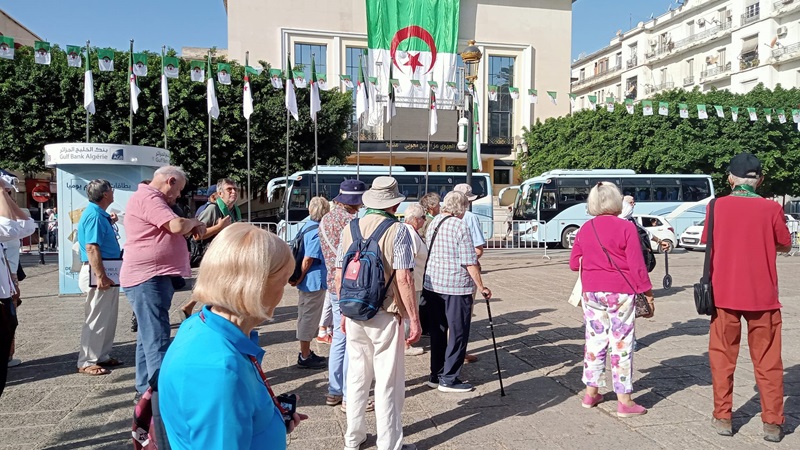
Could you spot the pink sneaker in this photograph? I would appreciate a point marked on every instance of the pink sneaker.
(624, 410)
(591, 402)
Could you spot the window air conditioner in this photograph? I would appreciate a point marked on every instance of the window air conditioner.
(652, 42)
(781, 30)
(701, 22)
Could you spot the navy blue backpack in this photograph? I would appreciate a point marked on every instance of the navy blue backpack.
(364, 285)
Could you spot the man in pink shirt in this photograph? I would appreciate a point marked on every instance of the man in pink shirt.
(154, 252)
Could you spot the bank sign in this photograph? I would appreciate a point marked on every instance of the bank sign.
(111, 154)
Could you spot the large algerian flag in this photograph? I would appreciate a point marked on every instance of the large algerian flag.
(291, 98)
(88, 86)
(73, 56)
(134, 84)
(362, 102)
(316, 106)
(211, 94)
(164, 87)
(105, 59)
(41, 52)
(419, 38)
(6, 47)
(247, 96)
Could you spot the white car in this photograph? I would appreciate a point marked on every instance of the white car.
(658, 227)
(690, 239)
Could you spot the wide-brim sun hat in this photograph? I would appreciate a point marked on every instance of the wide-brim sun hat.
(383, 194)
(350, 192)
(465, 189)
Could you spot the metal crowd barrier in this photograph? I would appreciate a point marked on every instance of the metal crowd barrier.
(515, 235)
(794, 230)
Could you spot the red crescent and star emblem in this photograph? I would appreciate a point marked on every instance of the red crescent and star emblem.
(413, 60)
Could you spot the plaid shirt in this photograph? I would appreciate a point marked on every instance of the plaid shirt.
(330, 233)
(451, 253)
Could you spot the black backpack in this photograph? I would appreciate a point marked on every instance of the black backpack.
(364, 284)
(298, 251)
(647, 251)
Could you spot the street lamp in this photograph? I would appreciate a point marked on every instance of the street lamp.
(472, 58)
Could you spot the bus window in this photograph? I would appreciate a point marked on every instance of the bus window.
(695, 189)
(572, 195)
(525, 205)
(299, 198)
(548, 200)
(411, 191)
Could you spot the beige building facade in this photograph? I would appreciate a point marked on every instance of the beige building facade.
(9, 26)
(525, 44)
(722, 44)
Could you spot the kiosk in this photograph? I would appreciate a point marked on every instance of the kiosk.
(76, 165)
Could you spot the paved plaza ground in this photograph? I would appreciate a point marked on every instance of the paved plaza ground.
(540, 339)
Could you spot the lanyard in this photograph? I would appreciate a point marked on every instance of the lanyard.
(744, 190)
(261, 373)
(381, 212)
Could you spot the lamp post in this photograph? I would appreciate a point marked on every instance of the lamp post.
(471, 57)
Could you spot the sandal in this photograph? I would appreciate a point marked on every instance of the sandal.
(94, 370)
(111, 362)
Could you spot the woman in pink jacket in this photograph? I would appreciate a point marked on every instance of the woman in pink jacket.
(610, 282)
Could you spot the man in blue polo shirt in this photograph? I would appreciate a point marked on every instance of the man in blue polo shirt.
(97, 239)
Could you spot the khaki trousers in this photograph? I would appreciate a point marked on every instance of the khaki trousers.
(764, 339)
(101, 309)
(375, 349)
(309, 311)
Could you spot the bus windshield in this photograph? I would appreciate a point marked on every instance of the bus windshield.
(525, 205)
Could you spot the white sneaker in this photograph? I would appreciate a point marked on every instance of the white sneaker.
(14, 362)
(414, 351)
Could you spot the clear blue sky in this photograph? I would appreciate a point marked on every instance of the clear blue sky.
(203, 23)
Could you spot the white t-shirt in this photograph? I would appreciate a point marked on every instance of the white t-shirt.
(420, 256)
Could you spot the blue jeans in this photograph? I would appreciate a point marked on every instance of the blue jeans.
(337, 360)
(150, 302)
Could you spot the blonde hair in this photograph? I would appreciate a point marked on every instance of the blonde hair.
(244, 271)
(318, 207)
(455, 203)
(604, 199)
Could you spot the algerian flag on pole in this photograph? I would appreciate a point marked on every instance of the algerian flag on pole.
(88, 85)
(134, 84)
(6, 47)
(316, 106)
(629, 105)
(434, 125)
(552, 95)
(362, 102)
(164, 86)
(720, 111)
(291, 99)
(73, 56)
(247, 95)
(419, 38)
(533, 96)
(752, 112)
(41, 52)
(701, 112)
(211, 94)
(477, 162)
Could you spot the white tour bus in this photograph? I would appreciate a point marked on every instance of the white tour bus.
(303, 184)
(552, 205)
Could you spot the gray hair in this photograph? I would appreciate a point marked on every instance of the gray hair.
(455, 203)
(318, 207)
(414, 210)
(604, 199)
(96, 188)
(739, 181)
(223, 181)
(628, 199)
(430, 200)
(170, 171)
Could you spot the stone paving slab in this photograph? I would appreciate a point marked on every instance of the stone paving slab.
(47, 404)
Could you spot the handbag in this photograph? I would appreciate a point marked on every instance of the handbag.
(576, 296)
(20, 273)
(703, 291)
(640, 303)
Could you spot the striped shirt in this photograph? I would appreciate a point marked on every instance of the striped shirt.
(452, 251)
(403, 252)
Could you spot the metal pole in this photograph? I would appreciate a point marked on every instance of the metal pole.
(249, 192)
(428, 148)
(208, 176)
(130, 121)
(358, 152)
(468, 106)
(287, 191)
(390, 144)
(88, 62)
(163, 50)
(41, 242)
(316, 147)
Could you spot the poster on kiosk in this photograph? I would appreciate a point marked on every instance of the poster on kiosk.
(76, 164)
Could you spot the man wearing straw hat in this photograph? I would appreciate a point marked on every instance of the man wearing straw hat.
(377, 345)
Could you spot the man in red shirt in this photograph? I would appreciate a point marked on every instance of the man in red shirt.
(748, 233)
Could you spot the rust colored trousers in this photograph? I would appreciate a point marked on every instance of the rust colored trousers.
(764, 339)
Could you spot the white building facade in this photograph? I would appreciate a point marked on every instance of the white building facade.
(722, 44)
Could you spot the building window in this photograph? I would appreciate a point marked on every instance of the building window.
(751, 12)
(601, 66)
(501, 74)
(690, 28)
(618, 63)
(689, 79)
(502, 176)
(631, 87)
(302, 58)
(632, 51)
(721, 57)
(664, 77)
(582, 75)
(749, 55)
(619, 92)
(352, 55)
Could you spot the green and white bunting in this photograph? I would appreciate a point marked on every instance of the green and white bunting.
(735, 113)
(416, 86)
(572, 100)
(720, 111)
(592, 102)
(683, 110)
(781, 115)
(533, 96)
(663, 108)
(552, 95)
(647, 107)
(492, 90)
(451, 87)
(701, 112)
(610, 104)
(322, 81)
(171, 67)
(752, 113)
(514, 92)
(300, 81)
(433, 85)
(347, 80)
(105, 59)
(276, 78)
(768, 114)
(198, 71)
(140, 64)
(224, 73)
(629, 105)
(6, 47)
(74, 56)
(41, 53)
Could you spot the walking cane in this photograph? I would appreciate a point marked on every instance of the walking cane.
(494, 344)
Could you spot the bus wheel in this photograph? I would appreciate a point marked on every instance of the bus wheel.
(565, 236)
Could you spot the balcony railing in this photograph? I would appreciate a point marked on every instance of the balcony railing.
(750, 17)
(600, 74)
(710, 31)
(688, 80)
(714, 71)
(746, 64)
(659, 87)
(785, 50)
(780, 4)
(631, 63)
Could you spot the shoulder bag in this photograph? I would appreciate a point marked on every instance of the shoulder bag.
(639, 300)
(703, 292)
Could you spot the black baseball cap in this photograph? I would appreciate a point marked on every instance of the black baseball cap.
(745, 165)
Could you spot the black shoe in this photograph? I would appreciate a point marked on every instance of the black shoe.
(312, 362)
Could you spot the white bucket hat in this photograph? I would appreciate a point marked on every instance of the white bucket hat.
(465, 189)
(383, 194)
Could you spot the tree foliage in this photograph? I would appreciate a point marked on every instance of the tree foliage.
(44, 104)
(658, 144)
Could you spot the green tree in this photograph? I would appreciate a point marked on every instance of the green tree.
(44, 105)
(658, 144)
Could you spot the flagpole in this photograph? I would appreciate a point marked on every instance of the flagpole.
(88, 62)
(428, 150)
(163, 49)
(287, 192)
(208, 176)
(249, 192)
(316, 144)
(390, 144)
(130, 121)
(358, 151)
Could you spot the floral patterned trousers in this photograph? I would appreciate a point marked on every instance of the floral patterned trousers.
(609, 319)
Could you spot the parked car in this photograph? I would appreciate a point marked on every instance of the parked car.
(658, 227)
(690, 239)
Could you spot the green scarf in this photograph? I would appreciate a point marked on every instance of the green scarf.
(235, 217)
(744, 190)
(381, 213)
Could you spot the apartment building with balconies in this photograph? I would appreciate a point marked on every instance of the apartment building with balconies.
(722, 44)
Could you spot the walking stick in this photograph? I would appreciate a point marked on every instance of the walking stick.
(494, 344)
